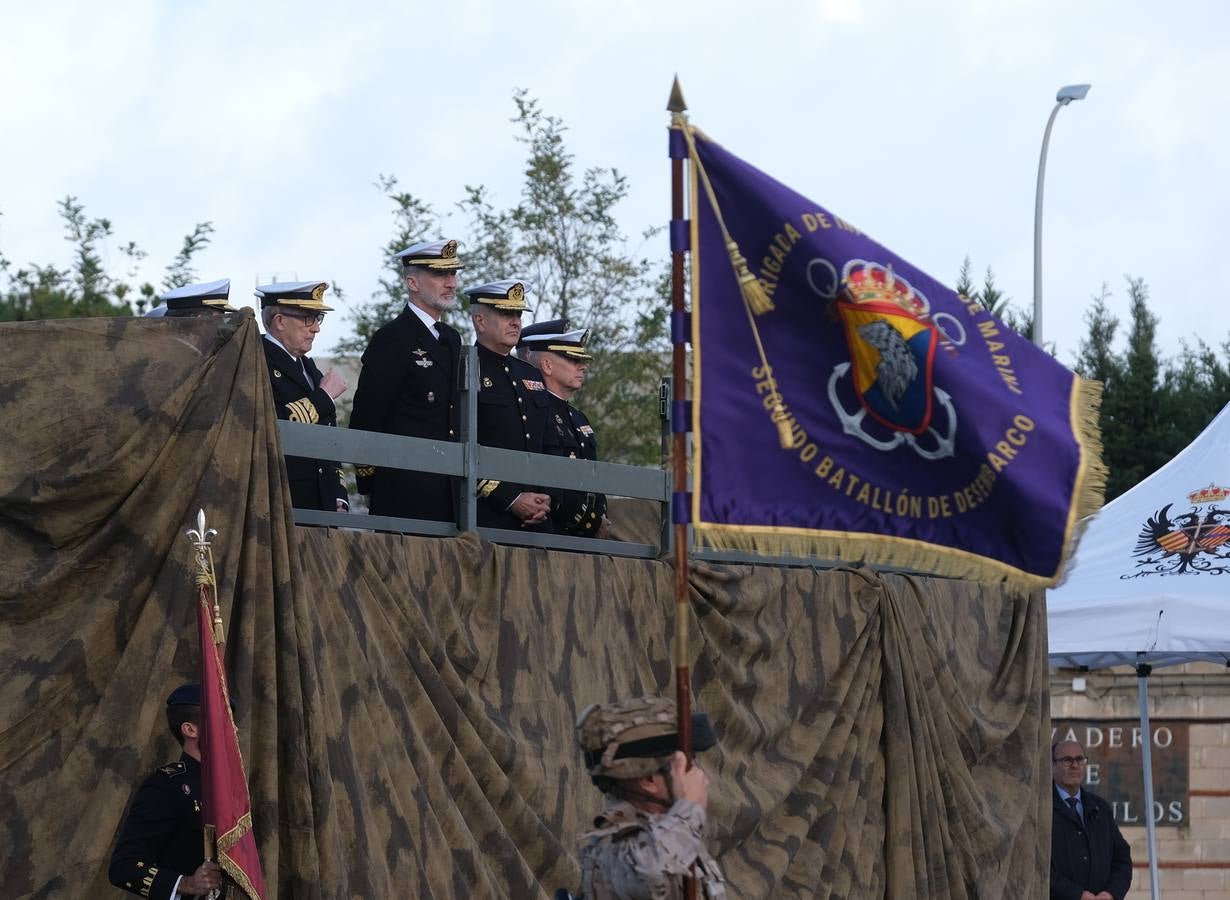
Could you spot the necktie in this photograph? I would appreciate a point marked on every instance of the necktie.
(1071, 801)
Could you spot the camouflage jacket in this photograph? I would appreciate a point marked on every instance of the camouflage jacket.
(634, 855)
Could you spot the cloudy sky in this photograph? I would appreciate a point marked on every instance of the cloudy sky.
(919, 122)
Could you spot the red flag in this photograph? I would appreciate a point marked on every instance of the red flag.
(223, 780)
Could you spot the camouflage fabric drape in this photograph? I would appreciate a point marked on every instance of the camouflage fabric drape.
(406, 704)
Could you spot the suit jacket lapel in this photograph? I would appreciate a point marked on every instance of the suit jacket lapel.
(1062, 806)
(287, 364)
(424, 339)
(451, 340)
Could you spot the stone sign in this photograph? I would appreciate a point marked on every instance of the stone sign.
(1115, 771)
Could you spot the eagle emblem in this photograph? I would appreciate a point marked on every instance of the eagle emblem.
(1189, 543)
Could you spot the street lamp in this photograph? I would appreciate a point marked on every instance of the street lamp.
(1066, 95)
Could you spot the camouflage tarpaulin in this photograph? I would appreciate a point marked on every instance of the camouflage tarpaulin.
(406, 704)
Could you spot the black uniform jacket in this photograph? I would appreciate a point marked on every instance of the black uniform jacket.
(162, 837)
(570, 434)
(513, 405)
(314, 483)
(1087, 856)
(408, 386)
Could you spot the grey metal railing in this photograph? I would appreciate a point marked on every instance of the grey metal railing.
(467, 461)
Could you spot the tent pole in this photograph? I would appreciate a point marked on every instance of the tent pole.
(1146, 736)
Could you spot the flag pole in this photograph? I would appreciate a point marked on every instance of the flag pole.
(679, 449)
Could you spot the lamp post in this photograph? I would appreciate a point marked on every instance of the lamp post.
(1066, 95)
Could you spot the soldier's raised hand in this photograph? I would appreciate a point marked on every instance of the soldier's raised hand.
(690, 784)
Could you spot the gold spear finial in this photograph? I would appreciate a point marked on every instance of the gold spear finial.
(676, 104)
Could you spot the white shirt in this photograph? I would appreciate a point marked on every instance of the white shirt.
(298, 359)
(425, 318)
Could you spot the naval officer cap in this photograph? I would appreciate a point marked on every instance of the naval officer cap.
(210, 295)
(557, 336)
(307, 295)
(507, 295)
(438, 255)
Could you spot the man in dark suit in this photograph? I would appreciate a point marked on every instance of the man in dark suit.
(513, 405)
(1090, 860)
(408, 385)
(292, 313)
(161, 848)
(560, 353)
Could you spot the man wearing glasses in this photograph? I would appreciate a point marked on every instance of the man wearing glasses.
(292, 313)
(1090, 860)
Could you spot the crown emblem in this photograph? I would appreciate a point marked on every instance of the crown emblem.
(1211, 494)
(449, 250)
(872, 283)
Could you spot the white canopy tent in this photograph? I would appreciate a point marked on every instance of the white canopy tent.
(1149, 584)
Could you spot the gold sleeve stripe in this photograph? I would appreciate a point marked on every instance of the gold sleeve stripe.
(487, 486)
(365, 471)
(303, 411)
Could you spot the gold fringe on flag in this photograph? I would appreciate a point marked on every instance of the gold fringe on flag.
(844, 548)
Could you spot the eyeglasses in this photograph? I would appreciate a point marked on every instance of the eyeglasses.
(308, 319)
(1072, 760)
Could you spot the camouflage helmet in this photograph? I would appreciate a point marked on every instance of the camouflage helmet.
(634, 738)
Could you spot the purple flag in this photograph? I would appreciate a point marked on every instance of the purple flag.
(926, 434)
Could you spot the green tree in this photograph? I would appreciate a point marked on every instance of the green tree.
(414, 220)
(1195, 388)
(993, 300)
(562, 237)
(181, 272)
(86, 288)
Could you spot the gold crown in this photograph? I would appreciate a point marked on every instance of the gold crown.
(874, 284)
(1211, 494)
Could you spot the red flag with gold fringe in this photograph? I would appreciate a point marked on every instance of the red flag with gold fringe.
(224, 783)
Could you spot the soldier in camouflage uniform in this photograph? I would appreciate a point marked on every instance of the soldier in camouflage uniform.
(651, 834)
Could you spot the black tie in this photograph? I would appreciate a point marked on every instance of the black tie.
(1071, 801)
